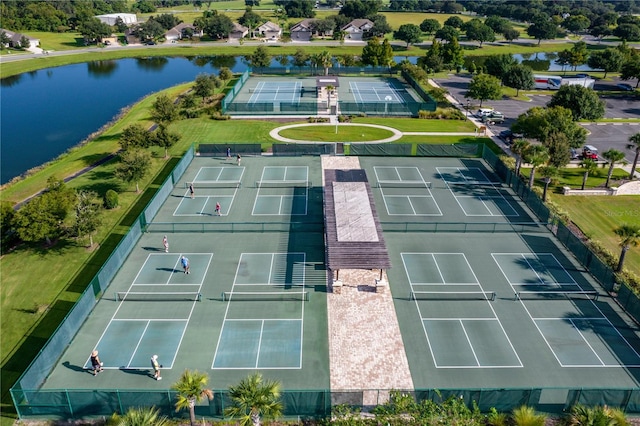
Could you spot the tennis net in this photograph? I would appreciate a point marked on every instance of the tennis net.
(214, 184)
(385, 91)
(275, 90)
(452, 295)
(403, 184)
(281, 296)
(557, 295)
(137, 296)
(283, 184)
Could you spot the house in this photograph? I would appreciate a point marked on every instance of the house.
(111, 18)
(356, 29)
(302, 31)
(238, 31)
(181, 31)
(305, 29)
(130, 37)
(269, 31)
(15, 40)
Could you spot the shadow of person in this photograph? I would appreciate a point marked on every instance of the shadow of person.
(76, 368)
(152, 248)
(137, 372)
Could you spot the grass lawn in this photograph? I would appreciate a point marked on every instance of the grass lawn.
(343, 134)
(439, 139)
(597, 217)
(413, 125)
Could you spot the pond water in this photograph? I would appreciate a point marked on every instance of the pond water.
(46, 112)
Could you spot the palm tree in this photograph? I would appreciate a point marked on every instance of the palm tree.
(519, 148)
(191, 389)
(634, 145)
(582, 415)
(253, 398)
(526, 416)
(548, 173)
(589, 165)
(142, 416)
(613, 156)
(537, 155)
(629, 237)
(325, 60)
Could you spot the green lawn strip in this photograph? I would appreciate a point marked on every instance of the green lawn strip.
(413, 125)
(446, 140)
(597, 217)
(343, 134)
(205, 130)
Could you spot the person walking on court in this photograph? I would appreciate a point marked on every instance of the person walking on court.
(228, 153)
(217, 211)
(238, 159)
(156, 367)
(96, 364)
(185, 264)
(191, 190)
(165, 244)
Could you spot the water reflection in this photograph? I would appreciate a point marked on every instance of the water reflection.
(101, 68)
(156, 63)
(10, 81)
(537, 64)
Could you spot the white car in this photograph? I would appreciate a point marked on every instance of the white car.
(483, 112)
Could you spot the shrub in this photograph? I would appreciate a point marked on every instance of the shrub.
(111, 199)
(222, 117)
(442, 114)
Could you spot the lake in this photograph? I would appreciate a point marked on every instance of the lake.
(46, 112)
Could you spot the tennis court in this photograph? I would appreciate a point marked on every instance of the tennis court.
(477, 307)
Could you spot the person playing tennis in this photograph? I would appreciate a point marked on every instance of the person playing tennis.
(185, 264)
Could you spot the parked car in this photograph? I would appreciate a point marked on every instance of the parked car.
(582, 75)
(624, 86)
(575, 155)
(493, 118)
(483, 111)
(508, 136)
(590, 151)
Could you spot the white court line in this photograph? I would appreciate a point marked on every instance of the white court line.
(135, 350)
(259, 344)
(533, 319)
(466, 335)
(495, 316)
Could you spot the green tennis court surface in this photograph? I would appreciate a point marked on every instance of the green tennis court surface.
(481, 309)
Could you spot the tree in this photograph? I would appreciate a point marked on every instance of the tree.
(225, 74)
(631, 69)
(254, 398)
(627, 32)
(409, 33)
(511, 34)
(558, 148)
(635, 146)
(520, 148)
(4, 39)
(6, 218)
(134, 136)
(613, 156)
(478, 31)
(430, 26)
(87, 215)
(300, 58)
(547, 173)
(164, 110)
(447, 33)
(629, 237)
(372, 52)
(164, 138)
(24, 43)
(454, 21)
(167, 20)
(43, 217)
(134, 166)
(453, 55)
(150, 30)
(609, 60)
(583, 102)
(537, 155)
(538, 123)
(380, 26)
(260, 58)
(433, 60)
(590, 166)
(299, 8)
(600, 31)
(325, 60)
(498, 65)
(543, 28)
(576, 23)
(358, 9)
(251, 20)
(216, 26)
(203, 86)
(94, 31)
(143, 416)
(497, 24)
(191, 388)
(483, 87)
(519, 77)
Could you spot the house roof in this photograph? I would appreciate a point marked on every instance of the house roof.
(239, 28)
(358, 23)
(304, 25)
(181, 26)
(16, 37)
(269, 26)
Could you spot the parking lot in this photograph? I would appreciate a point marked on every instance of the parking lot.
(603, 135)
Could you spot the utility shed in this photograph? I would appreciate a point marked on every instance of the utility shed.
(354, 237)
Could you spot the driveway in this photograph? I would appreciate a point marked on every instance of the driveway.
(603, 136)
